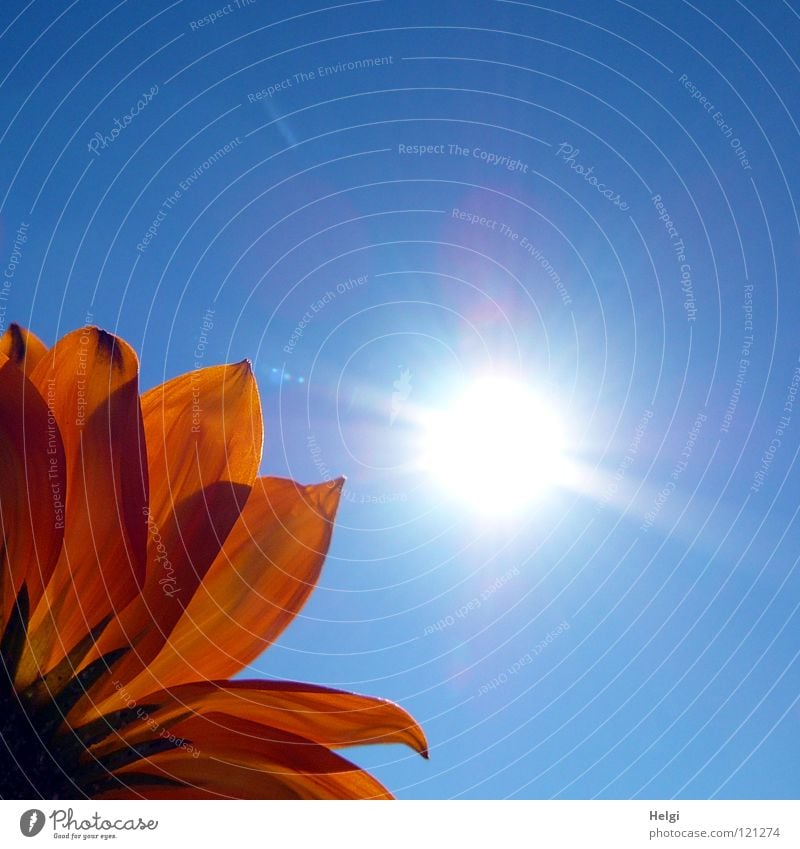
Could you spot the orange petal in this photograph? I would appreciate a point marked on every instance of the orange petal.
(204, 436)
(32, 488)
(243, 760)
(22, 347)
(267, 568)
(331, 718)
(203, 777)
(90, 382)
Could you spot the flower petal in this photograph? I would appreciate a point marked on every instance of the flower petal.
(32, 489)
(244, 760)
(90, 381)
(22, 347)
(267, 568)
(204, 436)
(331, 718)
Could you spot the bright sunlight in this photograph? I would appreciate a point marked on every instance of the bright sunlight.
(497, 446)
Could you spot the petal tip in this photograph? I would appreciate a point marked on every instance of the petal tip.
(22, 346)
(17, 334)
(241, 375)
(329, 494)
(109, 347)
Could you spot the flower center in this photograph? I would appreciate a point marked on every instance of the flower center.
(33, 762)
(42, 756)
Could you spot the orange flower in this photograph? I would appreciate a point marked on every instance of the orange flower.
(143, 564)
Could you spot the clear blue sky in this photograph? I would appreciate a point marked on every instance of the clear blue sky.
(632, 634)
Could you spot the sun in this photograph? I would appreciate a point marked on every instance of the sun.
(497, 447)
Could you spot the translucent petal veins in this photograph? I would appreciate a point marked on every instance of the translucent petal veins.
(174, 568)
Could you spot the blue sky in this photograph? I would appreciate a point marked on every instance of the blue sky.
(621, 234)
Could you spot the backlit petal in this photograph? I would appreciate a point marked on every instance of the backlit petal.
(243, 760)
(267, 568)
(204, 436)
(90, 381)
(32, 488)
(329, 717)
(123, 611)
(22, 347)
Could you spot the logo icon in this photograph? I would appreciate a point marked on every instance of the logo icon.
(402, 391)
(31, 822)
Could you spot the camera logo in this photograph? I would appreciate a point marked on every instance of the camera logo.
(31, 822)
